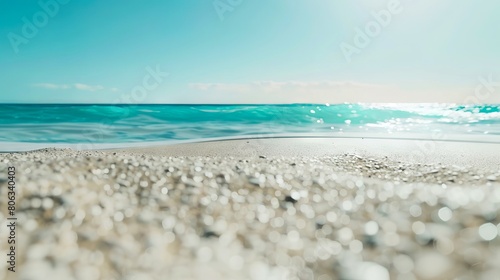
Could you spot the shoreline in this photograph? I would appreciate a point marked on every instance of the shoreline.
(13, 147)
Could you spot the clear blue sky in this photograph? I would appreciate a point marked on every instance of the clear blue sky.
(260, 51)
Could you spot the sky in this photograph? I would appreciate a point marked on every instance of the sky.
(249, 51)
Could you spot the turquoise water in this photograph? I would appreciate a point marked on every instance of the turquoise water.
(121, 124)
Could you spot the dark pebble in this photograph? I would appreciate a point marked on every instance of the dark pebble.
(208, 234)
(290, 199)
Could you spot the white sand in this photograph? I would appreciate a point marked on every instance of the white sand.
(259, 209)
(471, 154)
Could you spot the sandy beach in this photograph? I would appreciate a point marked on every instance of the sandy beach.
(258, 209)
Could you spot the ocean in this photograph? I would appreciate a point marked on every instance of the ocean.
(31, 126)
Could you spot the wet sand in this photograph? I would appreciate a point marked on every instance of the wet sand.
(259, 209)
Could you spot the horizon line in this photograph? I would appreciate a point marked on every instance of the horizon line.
(235, 104)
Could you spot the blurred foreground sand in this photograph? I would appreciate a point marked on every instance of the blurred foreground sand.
(258, 209)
